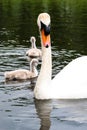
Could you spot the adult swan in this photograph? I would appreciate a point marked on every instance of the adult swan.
(70, 83)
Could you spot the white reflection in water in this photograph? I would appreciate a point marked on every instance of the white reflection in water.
(61, 114)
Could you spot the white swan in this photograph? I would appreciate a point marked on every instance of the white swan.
(34, 52)
(69, 83)
(23, 74)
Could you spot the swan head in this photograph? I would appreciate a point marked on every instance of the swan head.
(43, 22)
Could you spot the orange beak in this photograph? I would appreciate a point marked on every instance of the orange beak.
(45, 39)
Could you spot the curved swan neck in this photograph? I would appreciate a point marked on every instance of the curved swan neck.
(47, 63)
(46, 67)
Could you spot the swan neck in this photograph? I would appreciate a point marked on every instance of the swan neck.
(46, 67)
(47, 62)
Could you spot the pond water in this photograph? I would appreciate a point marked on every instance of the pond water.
(18, 108)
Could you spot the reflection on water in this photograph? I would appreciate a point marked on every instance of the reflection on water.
(62, 114)
(43, 109)
(18, 109)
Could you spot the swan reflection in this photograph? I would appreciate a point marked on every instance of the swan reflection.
(61, 113)
(43, 108)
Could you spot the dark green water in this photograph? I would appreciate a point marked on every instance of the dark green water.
(18, 109)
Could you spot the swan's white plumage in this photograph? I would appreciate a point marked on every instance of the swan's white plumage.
(45, 18)
(69, 83)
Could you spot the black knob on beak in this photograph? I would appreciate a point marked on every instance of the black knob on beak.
(46, 28)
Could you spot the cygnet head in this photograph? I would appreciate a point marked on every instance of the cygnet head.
(34, 62)
(32, 39)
